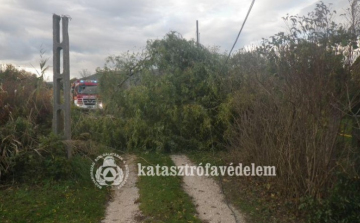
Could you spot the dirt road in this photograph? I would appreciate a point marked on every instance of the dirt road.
(207, 196)
(123, 208)
(206, 193)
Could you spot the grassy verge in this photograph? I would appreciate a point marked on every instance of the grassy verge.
(162, 198)
(251, 195)
(62, 201)
(54, 189)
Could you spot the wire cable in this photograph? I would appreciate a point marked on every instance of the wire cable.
(247, 15)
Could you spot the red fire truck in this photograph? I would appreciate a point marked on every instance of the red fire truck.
(85, 94)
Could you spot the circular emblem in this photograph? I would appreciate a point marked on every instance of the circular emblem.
(109, 169)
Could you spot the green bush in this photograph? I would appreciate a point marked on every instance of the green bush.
(341, 205)
(47, 161)
(104, 129)
(171, 98)
(25, 115)
(29, 152)
(22, 94)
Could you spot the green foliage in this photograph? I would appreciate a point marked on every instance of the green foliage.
(28, 152)
(47, 161)
(341, 205)
(61, 201)
(23, 94)
(170, 98)
(162, 198)
(16, 136)
(38, 182)
(104, 129)
(25, 115)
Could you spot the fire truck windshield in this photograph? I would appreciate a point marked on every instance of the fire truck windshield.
(87, 90)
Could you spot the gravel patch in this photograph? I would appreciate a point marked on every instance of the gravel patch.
(207, 196)
(124, 208)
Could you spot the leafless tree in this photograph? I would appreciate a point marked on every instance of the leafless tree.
(84, 73)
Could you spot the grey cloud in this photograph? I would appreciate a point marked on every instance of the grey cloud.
(102, 28)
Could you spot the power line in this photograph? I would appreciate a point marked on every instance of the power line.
(197, 33)
(247, 15)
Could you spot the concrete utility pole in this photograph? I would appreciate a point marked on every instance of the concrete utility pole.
(61, 112)
(197, 33)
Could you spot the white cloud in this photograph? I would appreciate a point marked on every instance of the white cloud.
(107, 27)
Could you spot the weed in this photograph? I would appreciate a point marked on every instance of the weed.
(162, 198)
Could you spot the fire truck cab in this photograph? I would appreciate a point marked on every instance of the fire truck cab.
(85, 95)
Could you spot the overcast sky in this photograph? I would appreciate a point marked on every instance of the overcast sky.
(100, 28)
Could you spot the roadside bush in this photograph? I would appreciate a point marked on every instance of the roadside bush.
(46, 160)
(23, 94)
(170, 98)
(296, 90)
(104, 129)
(342, 204)
(25, 114)
(29, 152)
(16, 136)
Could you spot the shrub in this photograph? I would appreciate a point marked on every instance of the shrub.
(25, 115)
(171, 98)
(341, 205)
(295, 93)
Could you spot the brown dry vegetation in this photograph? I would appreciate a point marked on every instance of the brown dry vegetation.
(25, 114)
(292, 98)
